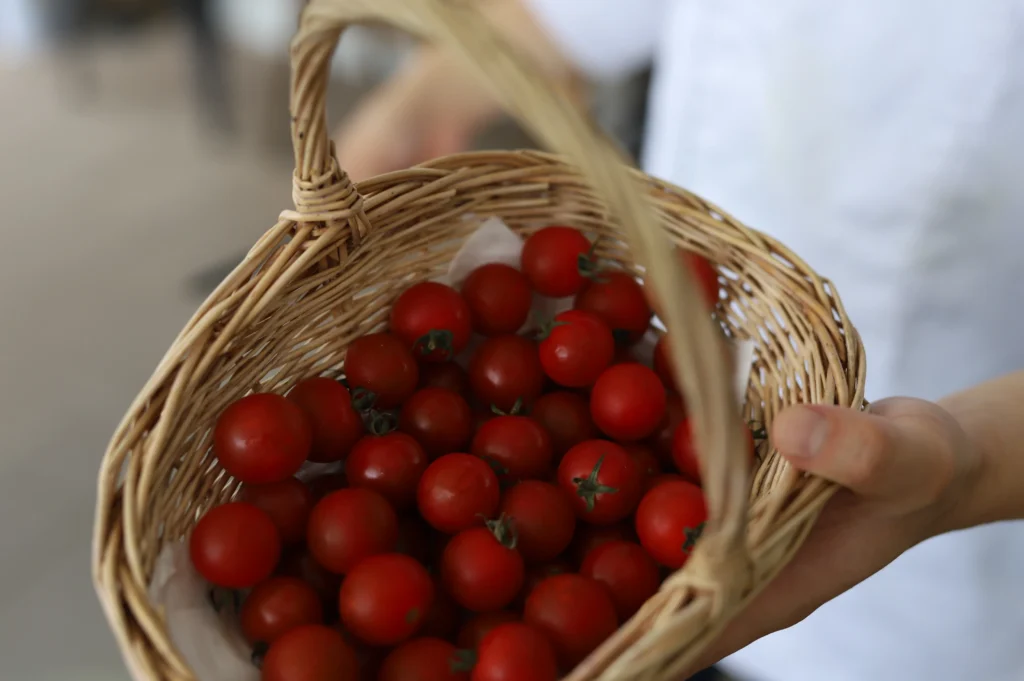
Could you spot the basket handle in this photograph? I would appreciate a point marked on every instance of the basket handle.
(720, 563)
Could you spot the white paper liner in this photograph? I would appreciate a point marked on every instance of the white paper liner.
(211, 642)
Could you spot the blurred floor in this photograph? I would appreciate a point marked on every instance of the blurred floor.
(110, 202)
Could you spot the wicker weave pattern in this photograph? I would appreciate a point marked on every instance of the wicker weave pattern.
(328, 271)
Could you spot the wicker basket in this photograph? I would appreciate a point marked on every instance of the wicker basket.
(329, 269)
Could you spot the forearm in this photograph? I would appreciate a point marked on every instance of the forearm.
(991, 416)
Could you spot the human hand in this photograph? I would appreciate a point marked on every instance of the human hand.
(906, 466)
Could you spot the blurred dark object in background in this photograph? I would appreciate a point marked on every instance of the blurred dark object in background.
(73, 24)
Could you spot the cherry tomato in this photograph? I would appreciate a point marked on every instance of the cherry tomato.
(300, 564)
(602, 481)
(669, 521)
(589, 537)
(628, 402)
(505, 370)
(335, 422)
(385, 599)
(498, 297)
(277, 606)
(381, 371)
(661, 439)
(645, 459)
(551, 260)
(576, 349)
(447, 375)
(442, 619)
(543, 519)
(390, 465)
(684, 451)
(536, 574)
(481, 567)
(628, 572)
(235, 545)
(517, 447)
(576, 614)
(426, 659)
(566, 417)
(262, 438)
(439, 419)
(310, 653)
(288, 504)
(619, 300)
(348, 525)
(456, 492)
(515, 652)
(478, 626)
(432, 320)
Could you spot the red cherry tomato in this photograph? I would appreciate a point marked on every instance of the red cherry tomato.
(578, 347)
(456, 492)
(288, 504)
(277, 606)
(515, 652)
(602, 481)
(498, 297)
(684, 450)
(335, 422)
(481, 567)
(628, 402)
(669, 521)
(619, 300)
(543, 519)
(310, 653)
(589, 537)
(478, 626)
(505, 370)
(432, 320)
(645, 459)
(447, 375)
(439, 419)
(381, 371)
(628, 572)
(390, 465)
(426, 659)
(566, 417)
(348, 525)
(706, 275)
(262, 438)
(385, 599)
(442, 619)
(661, 439)
(551, 260)
(235, 545)
(517, 447)
(536, 574)
(576, 614)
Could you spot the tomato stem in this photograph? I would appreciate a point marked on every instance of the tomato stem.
(363, 399)
(504, 530)
(517, 408)
(380, 422)
(588, 266)
(259, 651)
(463, 661)
(547, 327)
(589, 487)
(434, 340)
(692, 535)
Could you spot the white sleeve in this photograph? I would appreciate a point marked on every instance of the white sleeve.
(604, 38)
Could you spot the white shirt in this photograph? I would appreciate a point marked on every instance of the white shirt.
(882, 141)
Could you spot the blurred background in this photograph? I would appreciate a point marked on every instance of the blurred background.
(144, 147)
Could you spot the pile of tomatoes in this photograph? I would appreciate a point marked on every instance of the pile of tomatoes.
(493, 522)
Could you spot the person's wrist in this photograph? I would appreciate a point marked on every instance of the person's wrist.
(976, 499)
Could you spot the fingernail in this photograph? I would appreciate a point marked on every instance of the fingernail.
(800, 432)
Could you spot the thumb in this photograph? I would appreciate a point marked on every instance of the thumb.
(898, 451)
